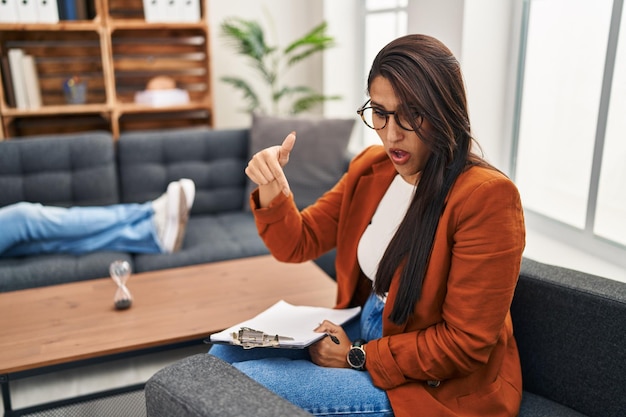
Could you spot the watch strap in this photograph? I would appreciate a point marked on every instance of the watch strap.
(358, 343)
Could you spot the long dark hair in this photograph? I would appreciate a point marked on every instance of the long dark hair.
(426, 77)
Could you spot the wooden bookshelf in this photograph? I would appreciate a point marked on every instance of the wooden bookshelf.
(116, 52)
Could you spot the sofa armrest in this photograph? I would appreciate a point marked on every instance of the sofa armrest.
(203, 385)
(569, 327)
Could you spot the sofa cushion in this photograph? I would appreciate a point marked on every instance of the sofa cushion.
(569, 328)
(60, 170)
(214, 159)
(536, 406)
(318, 158)
(43, 270)
(210, 238)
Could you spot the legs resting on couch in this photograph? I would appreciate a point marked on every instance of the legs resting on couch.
(152, 227)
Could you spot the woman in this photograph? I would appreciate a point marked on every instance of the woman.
(429, 241)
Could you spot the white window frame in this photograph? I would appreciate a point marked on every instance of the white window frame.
(583, 239)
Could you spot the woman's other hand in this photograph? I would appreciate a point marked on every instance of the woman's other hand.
(266, 170)
(328, 353)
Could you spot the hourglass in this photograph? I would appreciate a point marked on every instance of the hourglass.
(120, 272)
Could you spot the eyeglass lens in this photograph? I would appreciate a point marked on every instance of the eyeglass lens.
(377, 119)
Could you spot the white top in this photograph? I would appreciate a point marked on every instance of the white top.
(385, 222)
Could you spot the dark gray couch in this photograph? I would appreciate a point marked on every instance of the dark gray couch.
(571, 332)
(93, 169)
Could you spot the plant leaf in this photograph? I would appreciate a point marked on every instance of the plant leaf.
(248, 93)
(288, 91)
(308, 102)
(314, 41)
(247, 37)
(249, 40)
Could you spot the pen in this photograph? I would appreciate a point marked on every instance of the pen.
(333, 338)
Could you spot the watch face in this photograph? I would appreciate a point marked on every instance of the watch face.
(356, 357)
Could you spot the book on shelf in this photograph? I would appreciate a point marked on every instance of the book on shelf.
(17, 78)
(74, 9)
(24, 79)
(7, 84)
(283, 325)
(81, 9)
(31, 80)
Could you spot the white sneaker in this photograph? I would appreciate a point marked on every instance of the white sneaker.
(177, 216)
(171, 213)
(190, 191)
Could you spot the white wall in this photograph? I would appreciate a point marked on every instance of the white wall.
(479, 34)
(284, 20)
(488, 45)
(343, 64)
(442, 19)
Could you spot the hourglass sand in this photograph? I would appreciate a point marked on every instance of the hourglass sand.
(120, 272)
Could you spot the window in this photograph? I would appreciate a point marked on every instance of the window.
(569, 161)
(384, 20)
(610, 215)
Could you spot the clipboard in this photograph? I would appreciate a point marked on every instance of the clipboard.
(283, 325)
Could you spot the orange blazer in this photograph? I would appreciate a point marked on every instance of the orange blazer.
(456, 356)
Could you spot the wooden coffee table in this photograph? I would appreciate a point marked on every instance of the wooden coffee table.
(49, 326)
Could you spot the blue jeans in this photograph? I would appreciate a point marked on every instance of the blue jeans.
(318, 390)
(30, 229)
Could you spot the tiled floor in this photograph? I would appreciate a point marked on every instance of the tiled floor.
(90, 379)
(123, 404)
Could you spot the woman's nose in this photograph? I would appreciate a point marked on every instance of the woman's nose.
(393, 131)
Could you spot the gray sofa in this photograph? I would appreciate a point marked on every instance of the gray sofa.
(571, 332)
(93, 169)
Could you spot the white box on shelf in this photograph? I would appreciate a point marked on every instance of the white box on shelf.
(153, 10)
(162, 98)
(169, 11)
(8, 11)
(188, 10)
(27, 11)
(47, 11)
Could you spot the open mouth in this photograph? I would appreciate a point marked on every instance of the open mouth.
(399, 156)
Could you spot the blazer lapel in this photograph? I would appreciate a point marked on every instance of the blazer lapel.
(368, 191)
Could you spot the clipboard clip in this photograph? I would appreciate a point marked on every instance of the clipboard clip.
(249, 338)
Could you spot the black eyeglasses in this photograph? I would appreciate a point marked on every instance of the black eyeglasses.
(377, 119)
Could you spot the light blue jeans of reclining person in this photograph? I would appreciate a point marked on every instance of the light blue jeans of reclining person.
(318, 390)
(31, 228)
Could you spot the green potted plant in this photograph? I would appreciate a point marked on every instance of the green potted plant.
(271, 62)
